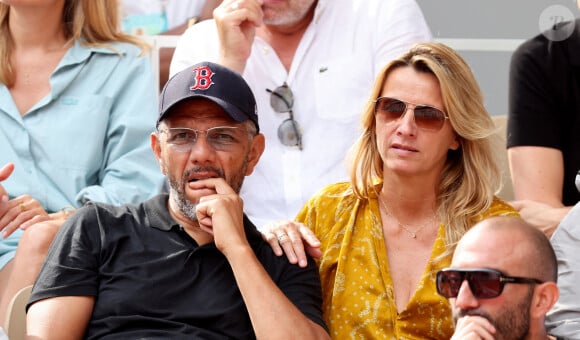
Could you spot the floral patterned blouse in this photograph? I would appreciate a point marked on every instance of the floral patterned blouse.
(358, 294)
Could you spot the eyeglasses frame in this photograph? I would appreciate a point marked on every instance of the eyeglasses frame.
(196, 131)
(407, 107)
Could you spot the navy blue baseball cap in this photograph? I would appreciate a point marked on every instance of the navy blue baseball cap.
(214, 82)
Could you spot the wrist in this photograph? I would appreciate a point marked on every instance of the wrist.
(237, 253)
(64, 213)
(233, 62)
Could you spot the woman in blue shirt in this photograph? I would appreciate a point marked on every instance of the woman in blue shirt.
(77, 105)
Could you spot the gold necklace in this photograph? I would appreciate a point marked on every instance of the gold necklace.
(406, 227)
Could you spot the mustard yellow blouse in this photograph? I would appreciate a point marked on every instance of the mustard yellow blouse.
(358, 296)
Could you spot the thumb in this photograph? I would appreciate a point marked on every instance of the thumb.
(6, 171)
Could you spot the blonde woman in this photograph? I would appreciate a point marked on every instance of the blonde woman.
(77, 104)
(422, 174)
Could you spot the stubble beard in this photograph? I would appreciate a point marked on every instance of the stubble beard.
(512, 324)
(177, 187)
(287, 17)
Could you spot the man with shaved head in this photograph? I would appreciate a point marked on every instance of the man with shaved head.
(502, 281)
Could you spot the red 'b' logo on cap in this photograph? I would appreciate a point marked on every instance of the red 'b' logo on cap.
(202, 78)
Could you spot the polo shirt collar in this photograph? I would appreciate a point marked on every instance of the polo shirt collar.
(158, 213)
(159, 217)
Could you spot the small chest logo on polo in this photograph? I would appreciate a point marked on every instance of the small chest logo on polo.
(202, 78)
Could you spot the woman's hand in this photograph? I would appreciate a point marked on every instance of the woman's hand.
(293, 238)
(20, 212)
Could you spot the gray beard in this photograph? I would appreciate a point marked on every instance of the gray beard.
(185, 206)
(177, 188)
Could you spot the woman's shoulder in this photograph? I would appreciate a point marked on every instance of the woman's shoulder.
(500, 207)
(120, 48)
(332, 197)
(128, 49)
(335, 190)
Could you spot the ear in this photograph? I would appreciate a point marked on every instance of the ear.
(256, 151)
(156, 147)
(545, 296)
(455, 143)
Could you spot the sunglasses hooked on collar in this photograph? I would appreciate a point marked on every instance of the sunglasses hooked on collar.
(282, 101)
(484, 283)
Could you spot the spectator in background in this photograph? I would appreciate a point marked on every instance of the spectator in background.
(544, 155)
(165, 17)
(422, 173)
(563, 320)
(76, 102)
(502, 281)
(543, 137)
(150, 17)
(311, 65)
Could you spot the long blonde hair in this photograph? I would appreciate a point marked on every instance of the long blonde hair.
(471, 175)
(91, 22)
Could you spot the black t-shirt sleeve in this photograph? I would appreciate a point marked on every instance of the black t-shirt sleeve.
(537, 112)
(534, 116)
(71, 265)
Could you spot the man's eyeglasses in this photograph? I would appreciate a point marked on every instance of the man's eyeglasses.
(484, 283)
(222, 138)
(426, 117)
(282, 101)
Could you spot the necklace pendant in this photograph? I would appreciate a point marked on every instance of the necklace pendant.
(413, 235)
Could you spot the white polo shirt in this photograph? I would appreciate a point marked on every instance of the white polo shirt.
(331, 77)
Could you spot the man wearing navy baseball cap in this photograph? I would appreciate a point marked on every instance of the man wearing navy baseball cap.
(216, 83)
(188, 264)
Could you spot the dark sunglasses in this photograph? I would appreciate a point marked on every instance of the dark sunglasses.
(426, 117)
(282, 101)
(484, 283)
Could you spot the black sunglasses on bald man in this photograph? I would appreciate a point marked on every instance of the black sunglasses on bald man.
(484, 283)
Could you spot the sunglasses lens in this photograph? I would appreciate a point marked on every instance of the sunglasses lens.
(282, 99)
(429, 118)
(449, 282)
(390, 108)
(485, 285)
(426, 117)
(289, 133)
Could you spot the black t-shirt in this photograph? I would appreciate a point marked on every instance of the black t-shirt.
(151, 279)
(544, 101)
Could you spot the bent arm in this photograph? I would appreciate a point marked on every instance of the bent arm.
(59, 318)
(537, 177)
(537, 174)
(272, 314)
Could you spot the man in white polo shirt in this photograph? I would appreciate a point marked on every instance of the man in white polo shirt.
(311, 65)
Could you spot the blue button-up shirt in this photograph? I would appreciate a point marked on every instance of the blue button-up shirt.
(88, 139)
